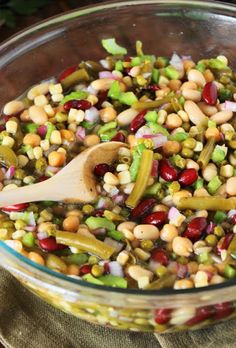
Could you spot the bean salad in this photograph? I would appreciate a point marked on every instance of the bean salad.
(166, 212)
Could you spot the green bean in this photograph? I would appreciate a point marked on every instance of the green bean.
(85, 243)
(74, 78)
(206, 153)
(142, 179)
(140, 105)
(166, 281)
(208, 203)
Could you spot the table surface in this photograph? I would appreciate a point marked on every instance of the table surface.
(54, 8)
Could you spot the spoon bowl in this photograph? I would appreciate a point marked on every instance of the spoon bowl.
(75, 183)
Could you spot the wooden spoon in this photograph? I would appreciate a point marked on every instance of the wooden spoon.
(74, 183)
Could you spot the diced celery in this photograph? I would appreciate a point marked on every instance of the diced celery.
(213, 185)
(219, 153)
(119, 65)
(77, 259)
(91, 279)
(99, 222)
(114, 91)
(116, 235)
(201, 67)
(162, 62)
(108, 135)
(31, 128)
(135, 166)
(179, 136)
(115, 281)
(171, 73)
(219, 217)
(155, 75)
(136, 61)
(151, 116)
(199, 184)
(153, 190)
(74, 95)
(112, 47)
(87, 124)
(157, 128)
(50, 129)
(28, 240)
(211, 124)
(107, 127)
(128, 98)
(224, 94)
(215, 63)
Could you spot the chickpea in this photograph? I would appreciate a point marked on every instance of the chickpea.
(71, 223)
(174, 85)
(32, 139)
(67, 135)
(35, 257)
(212, 133)
(188, 64)
(231, 186)
(168, 233)
(108, 114)
(73, 270)
(56, 159)
(209, 172)
(183, 284)
(171, 147)
(173, 121)
(91, 140)
(209, 77)
(188, 85)
(182, 246)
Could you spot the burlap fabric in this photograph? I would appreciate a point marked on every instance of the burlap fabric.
(28, 322)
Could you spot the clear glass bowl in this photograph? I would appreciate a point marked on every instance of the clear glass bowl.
(197, 28)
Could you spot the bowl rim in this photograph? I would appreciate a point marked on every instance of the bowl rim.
(70, 15)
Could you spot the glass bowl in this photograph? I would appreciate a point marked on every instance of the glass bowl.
(198, 28)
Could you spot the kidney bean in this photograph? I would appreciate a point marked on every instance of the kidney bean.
(102, 168)
(157, 218)
(50, 244)
(153, 87)
(202, 314)
(138, 121)
(98, 212)
(167, 171)
(195, 228)
(160, 256)
(81, 104)
(187, 177)
(234, 219)
(209, 93)
(67, 72)
(102, 96)
(223, 310)
(142, 208)
(16, 207)
(85, 269)
(162, 316)
(119, 137)
(224, 243)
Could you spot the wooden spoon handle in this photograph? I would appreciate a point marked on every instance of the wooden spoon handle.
(37, 192)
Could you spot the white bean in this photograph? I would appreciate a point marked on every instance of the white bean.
(42, 88)
(208, 110)
(196, 76)
(102, 84)
(38, 115)
(146, 231)
(182, 246)
(136, 272)
(231, 186)
(126, 117)
(191, 94)
(195, 114)
(209, 171)
(13, 107)
(222, 116)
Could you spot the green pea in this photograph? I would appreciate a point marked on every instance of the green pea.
(186, 152)
(61, 117)
(41, 164)
(211, 240)
(229, 272)
(20, 224)
(189, 143)
(19, 174)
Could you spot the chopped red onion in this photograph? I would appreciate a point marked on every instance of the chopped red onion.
(182, 271)
(116, 269)
(173, 213)
(154, 170)
(42, 235)
(231, 213)
(114, 192)
(153, 265)
(101, 204)
(104, 63)
(177, 62)
(10, 172)
(52, 170)
(80, 133)
(118, 199)
(229, 105)
(158, 139)
(99, 231)
(30, 228)
(91, 115)
(107, 75)
(145, 130)
(118, 246)
(210, 228)
(91, 90)
(186, 58)
(42, 130)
